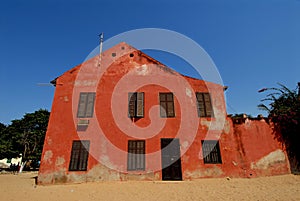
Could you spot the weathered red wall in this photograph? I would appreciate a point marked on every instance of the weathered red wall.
(245, 148)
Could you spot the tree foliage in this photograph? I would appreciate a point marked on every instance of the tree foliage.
(284, 110)
(24, 136)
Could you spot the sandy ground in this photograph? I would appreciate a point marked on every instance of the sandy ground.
(22, 187)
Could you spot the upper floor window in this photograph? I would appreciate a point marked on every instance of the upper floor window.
(166, 105)
(136, 104)
(204, 105)
(86, 104)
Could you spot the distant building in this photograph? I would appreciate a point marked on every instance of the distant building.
(126, 116)
(6, 163)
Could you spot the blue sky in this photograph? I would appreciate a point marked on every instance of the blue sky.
(254, 43)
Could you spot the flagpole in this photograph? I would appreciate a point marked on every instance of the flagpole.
(100, 48)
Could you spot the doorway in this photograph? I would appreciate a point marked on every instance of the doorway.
(171, 161)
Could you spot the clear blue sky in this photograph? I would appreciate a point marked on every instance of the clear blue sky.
(254, 43)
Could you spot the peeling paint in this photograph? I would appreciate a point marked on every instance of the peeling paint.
(188, 92)
(142, 70)
(227, 127)
(66, 99)
(185, 145)
(242, 145)
(204, 172)
(272, 158)
(47, 156)
(85, 83)
(59, 161)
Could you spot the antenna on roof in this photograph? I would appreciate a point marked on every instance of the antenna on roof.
(100, 47)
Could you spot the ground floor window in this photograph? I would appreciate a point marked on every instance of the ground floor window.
(136, 155)
(79, 155)
(211, 151)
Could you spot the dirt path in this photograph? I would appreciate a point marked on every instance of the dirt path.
(22, 187)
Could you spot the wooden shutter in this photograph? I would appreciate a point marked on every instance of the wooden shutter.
(170, 105)
(136, 155)
(136, 104)
(131, 104)
(166, 105)
(82, 105)
(200, 103)
(86, 105)
(79, 155)
(204, 105)
(208, 106)
(140, 104)
(163, 105)
(84, 153)
(90, 105)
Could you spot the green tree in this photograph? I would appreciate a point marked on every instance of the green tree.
(25, 136)
(284, 110)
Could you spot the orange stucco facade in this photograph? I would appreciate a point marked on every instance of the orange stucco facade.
(246, 149)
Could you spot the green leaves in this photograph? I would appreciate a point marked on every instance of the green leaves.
(284, 110)
(24, 136)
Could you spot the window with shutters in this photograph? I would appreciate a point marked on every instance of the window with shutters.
(204, 105)
(86, 105)
(136, 104)
(166, 105)
(211, 151)
(136, 155)
(79, 155)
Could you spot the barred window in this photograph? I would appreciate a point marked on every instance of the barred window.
(136, 155)
(166, 105)
(211, 151)
(136, 104)
(79, 155)
(204, 105)
(86, 104)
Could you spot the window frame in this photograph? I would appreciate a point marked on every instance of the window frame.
(211, 152)
(168, 103)
(136, 104)
(85, 110)
(79, 155)
(205, 104)
(136, 155)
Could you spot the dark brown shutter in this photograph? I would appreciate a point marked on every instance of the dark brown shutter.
(86, 105)
(208, 106)
(136, 155)
(140, 104)
(79, 155)
(90, 105)
(140, 155)
(167, 105)
(204, 105)
(82, 105)
(200, 104)
(84, 153)
(170, 108)
(131, 104)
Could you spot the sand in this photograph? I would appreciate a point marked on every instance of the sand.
(22, 187)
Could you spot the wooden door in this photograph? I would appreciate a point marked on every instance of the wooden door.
(171, 161)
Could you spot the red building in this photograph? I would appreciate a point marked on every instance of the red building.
(125, 116)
